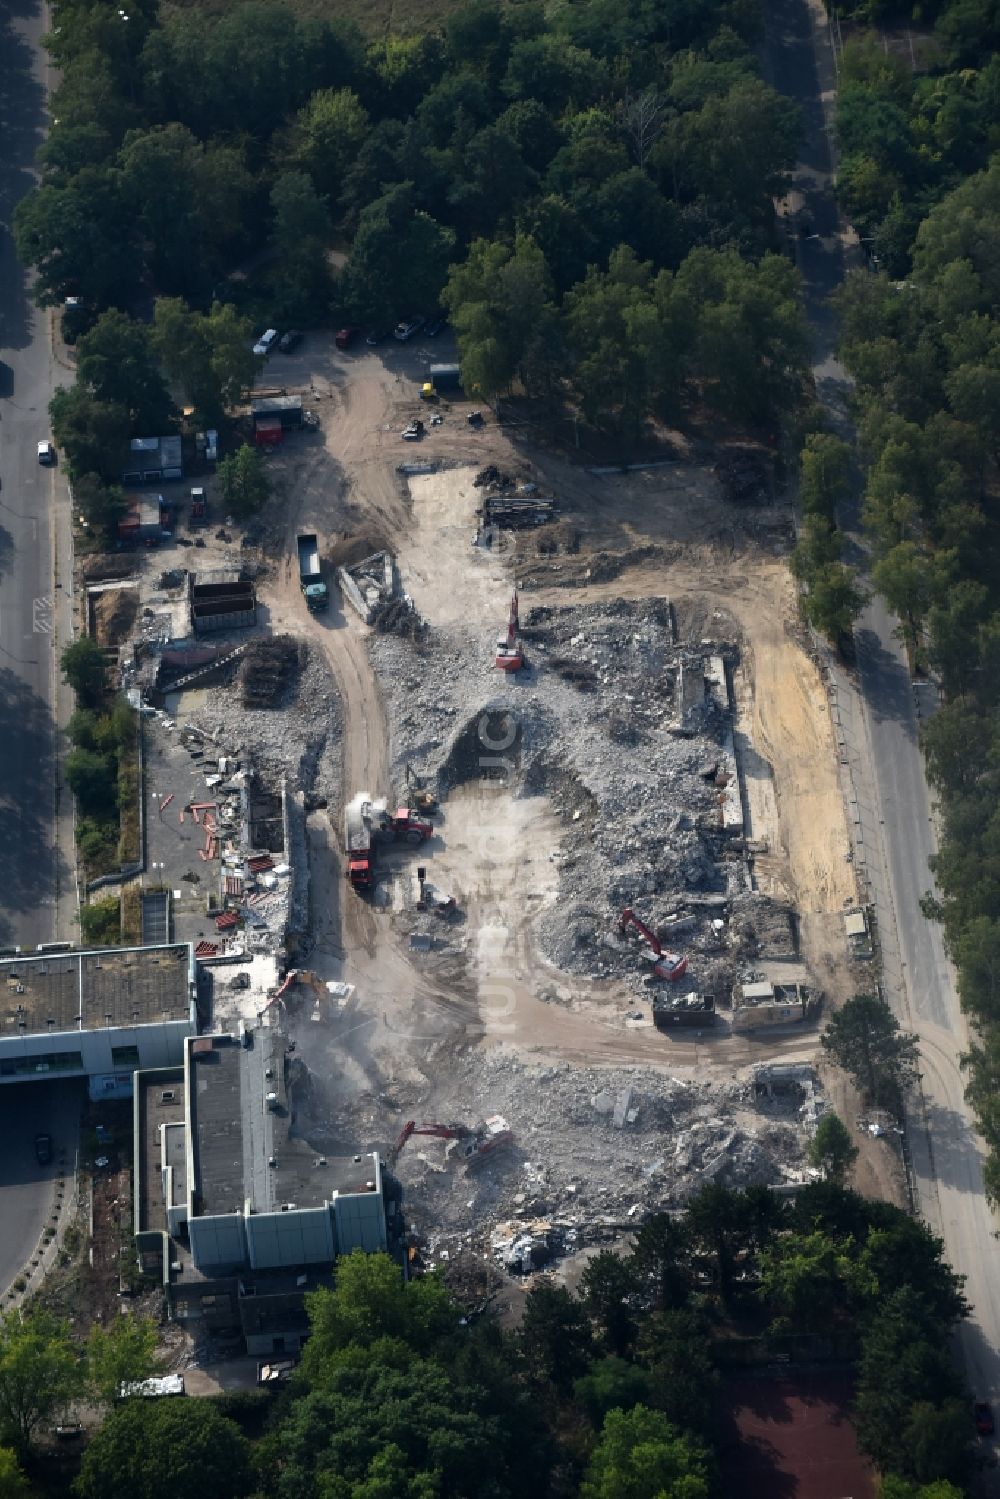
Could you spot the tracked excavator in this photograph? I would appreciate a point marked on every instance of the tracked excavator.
(510, 653)
(474, 1145)
(666, 965)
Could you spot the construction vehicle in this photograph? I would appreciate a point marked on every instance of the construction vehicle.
(423, 800)
(431, 897)
(474, 1145)
(666, 965)
(510, 655)
(316, 593)
(365, 821)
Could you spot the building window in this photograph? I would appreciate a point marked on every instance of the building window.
(50, 1061)
(124, 1056)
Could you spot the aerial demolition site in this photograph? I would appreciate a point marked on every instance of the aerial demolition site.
(509, 786)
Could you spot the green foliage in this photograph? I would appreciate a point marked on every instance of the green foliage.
(832, 1150)
(39, 1373)
(371, 1303)
(13, 1483)
(93, 435)
(607, 1288)
(243, 482)
(555, 1335)
(120, 1354)
(641, 1456)
(101, 505)
(115, 363)
(165, 1449)
(834, 600)
(612, 1383)
(83, 667)
(399, 259)
(865, 1039)
(825, 479)
(101, 922)
(208, 357)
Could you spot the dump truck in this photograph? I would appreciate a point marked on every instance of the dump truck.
(365, 821)
(311, 574)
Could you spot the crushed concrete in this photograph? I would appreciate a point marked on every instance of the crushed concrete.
(605, 723)
(595, 1150)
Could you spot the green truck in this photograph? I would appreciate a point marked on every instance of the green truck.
(311, 574)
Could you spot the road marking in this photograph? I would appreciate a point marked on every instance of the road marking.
(41, 616)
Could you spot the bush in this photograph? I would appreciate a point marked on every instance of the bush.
(100, 922)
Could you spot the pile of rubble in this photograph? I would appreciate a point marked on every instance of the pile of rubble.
(594, 1151)
(624, 731)
(268, 671)
(301, 743)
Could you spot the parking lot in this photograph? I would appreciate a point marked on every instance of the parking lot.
(27, 1189)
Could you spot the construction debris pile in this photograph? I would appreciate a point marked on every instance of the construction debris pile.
(269, 671)
(593, 1151)
(628, 734)
(302, 742)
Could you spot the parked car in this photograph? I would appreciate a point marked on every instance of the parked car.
(414, 432)
(290, 341)
(376, 336)
(983, 1413)
(405, 330)
(436, 324)
(266, 342)
(46, 454)
(43, 1149)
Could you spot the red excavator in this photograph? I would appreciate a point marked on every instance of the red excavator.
(474, 1144)
(510, 655)
(666, 965)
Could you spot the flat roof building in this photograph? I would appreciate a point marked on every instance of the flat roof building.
(97, 1012)
(232, 1207)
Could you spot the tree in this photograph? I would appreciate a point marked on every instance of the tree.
(115, 362)
(803, 1279)
(399, 259)
(612, 1383)
(13, 1484)
(641, 1456)
(121, 1354)
(369, 1303)
(893, 1487)
(501, 306)
(911, 1407)
(39, 1373)
(243, 481)
(83, 667)
(209, 357)
(718, 1222)
(93, 434)
(865, 1039)
(661, 1257)
(78, 236)
(99, 504)
(834, 600)
(608, 1288)
(676, 1348)
(825, 477)
(328, 133)
(91, 779)
(614, 331)
(555, 1335)
(904, 578)
(831, 1150)
(165, 1449)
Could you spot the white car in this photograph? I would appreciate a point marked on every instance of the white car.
(46, 454)
(266, 342)
(405, 330)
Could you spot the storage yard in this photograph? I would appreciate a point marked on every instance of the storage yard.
(605, 859)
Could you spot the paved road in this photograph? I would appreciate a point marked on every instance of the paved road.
(26, 1188)
(879, 726)
(35, 874)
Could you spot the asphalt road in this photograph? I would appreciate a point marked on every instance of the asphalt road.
(26, 1188)
(34, 871)
(877, 714)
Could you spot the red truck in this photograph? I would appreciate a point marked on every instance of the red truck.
(365, 821)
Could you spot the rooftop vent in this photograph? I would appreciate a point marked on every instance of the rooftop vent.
(168, 1095)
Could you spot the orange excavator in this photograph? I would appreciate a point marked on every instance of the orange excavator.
(666, 965)
(510, 653)
(473, 1144)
